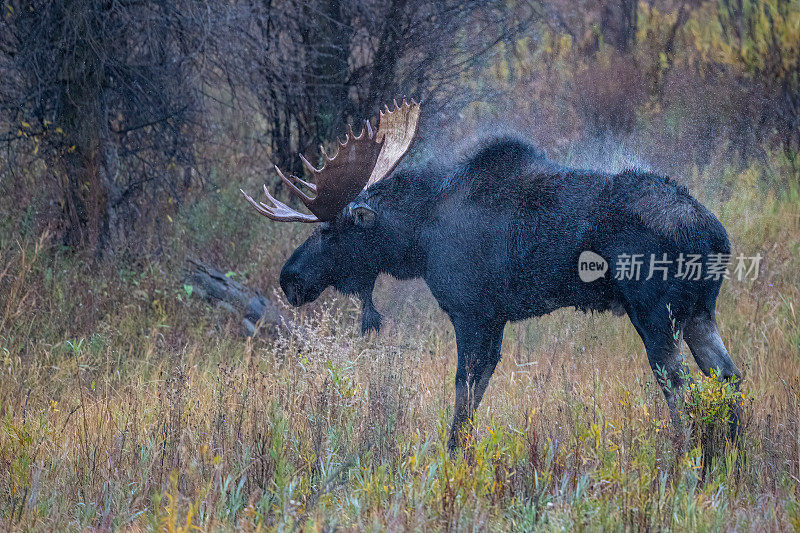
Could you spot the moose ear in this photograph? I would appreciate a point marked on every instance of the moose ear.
(363, 215)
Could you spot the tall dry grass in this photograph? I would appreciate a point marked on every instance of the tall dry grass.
(125, 403)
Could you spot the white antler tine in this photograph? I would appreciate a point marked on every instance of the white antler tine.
(256, 205)
(300, 194)
(275, 203)
(308, 165)
(278, 211)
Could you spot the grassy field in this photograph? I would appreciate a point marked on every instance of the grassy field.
(128, 403)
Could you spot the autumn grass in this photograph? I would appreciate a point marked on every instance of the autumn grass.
(126, 403)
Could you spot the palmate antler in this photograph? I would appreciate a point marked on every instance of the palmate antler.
(359, 162)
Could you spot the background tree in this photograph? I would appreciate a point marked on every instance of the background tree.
(106, 105)
(310, 67)
(110, 92)
(105, 91)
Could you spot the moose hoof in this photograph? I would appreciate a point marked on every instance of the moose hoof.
(370, 321)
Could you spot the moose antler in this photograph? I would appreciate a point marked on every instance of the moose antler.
(397, 129)
(359, 162)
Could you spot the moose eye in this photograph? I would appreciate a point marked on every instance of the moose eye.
(363, 216)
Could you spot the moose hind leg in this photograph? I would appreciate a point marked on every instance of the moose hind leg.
(666, 361)
(668, 367)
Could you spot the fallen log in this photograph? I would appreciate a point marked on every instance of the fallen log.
(215, 287)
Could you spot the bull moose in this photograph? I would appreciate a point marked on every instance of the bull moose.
(498, 237)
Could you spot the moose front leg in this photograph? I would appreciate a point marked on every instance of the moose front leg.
(664, 353)
(478, 345)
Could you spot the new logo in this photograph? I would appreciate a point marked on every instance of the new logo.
(591, 266)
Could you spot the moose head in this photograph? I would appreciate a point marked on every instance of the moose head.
(341, 250)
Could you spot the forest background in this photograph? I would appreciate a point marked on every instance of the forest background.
(127, 128)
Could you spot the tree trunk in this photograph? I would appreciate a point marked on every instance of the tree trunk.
(90, 196)
(89, 155)
(381, 85)
(330, 71)
(618, 23)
